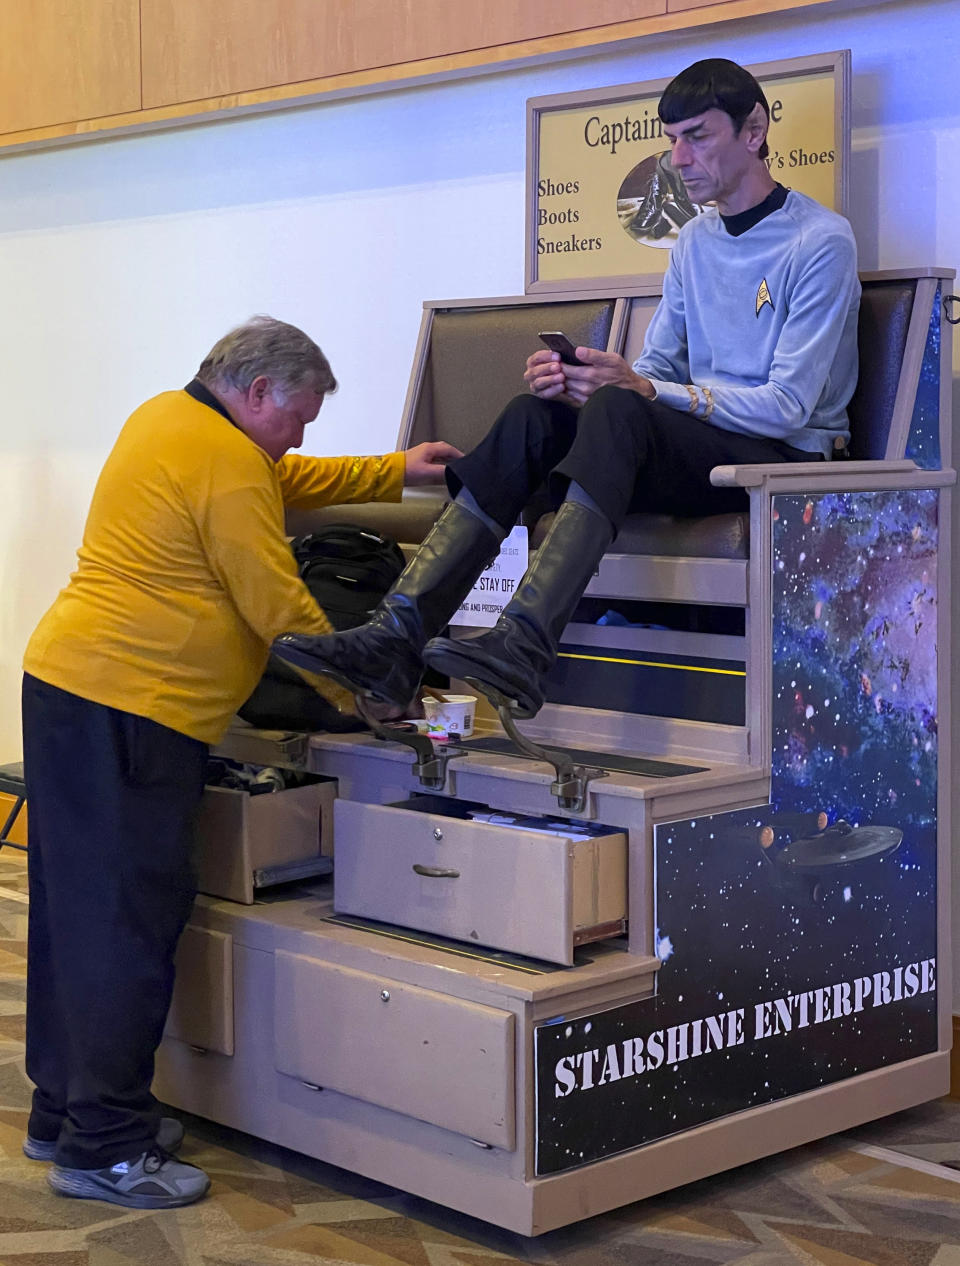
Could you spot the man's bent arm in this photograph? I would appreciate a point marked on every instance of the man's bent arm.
(311, 482)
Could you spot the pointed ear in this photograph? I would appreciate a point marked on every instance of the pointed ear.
(755, 127)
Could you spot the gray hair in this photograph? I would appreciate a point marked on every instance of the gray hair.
(263, 345)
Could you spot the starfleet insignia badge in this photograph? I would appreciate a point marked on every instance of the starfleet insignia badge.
(763, 296)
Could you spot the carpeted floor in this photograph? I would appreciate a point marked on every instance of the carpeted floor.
(885, 1195)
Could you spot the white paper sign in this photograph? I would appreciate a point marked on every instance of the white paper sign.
(496, 586)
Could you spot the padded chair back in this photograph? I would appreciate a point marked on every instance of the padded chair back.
(474, 362)
(885, 311)
(477, 356)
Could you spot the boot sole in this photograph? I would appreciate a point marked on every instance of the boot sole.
(79, 1188)
(314, 664)
(456, 661)
(35, 1149)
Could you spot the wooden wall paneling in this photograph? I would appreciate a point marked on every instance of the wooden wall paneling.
(63, 60)
(398, 74)
(718, 7)
(194, 51)
(681, 6)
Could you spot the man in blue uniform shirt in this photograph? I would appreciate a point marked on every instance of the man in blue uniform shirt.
(751, 356)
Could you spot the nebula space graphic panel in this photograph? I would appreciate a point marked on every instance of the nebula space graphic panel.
(797, 939)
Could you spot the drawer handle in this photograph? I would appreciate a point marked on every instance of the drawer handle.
(436, 872)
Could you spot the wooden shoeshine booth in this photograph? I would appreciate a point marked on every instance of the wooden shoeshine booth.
(541, 985)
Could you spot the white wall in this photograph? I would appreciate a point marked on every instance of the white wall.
(123, 260)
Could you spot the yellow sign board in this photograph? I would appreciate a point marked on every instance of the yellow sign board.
(604, 202)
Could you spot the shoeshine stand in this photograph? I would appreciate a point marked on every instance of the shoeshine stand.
(711, 922)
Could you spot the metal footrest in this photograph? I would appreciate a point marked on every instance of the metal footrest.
(570, 785)
(284, 749)
(431, 761)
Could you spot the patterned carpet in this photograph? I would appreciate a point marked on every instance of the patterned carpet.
(841, 1202)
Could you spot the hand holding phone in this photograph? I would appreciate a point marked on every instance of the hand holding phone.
(558, 342)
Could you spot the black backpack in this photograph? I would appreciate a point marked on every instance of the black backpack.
(348, 569)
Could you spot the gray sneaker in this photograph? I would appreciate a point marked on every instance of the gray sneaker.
(169, 1137)
(153, 1181)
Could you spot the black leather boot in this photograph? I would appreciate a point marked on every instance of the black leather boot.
(514, 657)
(383, 658)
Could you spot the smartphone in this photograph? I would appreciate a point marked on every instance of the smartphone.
(558, 342)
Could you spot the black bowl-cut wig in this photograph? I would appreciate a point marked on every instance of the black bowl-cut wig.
(713, 84)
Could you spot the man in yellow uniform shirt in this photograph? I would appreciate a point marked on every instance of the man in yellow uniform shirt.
(183, 580)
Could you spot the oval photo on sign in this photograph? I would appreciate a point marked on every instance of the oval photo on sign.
(652, 203)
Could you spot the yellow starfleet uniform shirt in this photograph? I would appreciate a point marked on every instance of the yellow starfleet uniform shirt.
(184, 577)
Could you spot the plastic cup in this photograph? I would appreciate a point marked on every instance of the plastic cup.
(450, 713)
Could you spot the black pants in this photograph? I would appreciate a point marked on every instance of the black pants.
(110, 800)
(628, 453)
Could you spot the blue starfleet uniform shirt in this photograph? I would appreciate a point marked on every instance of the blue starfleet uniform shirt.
(757, 333)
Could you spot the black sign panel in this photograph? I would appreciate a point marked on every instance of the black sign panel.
(798, 940)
